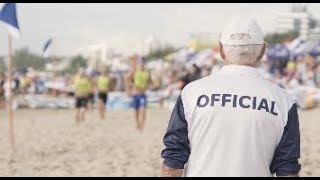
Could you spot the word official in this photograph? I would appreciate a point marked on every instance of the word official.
(246, 102)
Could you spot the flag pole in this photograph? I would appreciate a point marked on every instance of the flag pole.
(10, 108)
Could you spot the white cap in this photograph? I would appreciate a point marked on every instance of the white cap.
(251, 31)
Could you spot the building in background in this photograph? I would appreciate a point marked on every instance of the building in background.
(98, 55)
(298, 19)
(151, 44)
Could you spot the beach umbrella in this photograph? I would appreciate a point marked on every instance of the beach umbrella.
(296, 48)
(295, 44)
(302, 49)
(298, 51)
(315, 51)
(279, 52)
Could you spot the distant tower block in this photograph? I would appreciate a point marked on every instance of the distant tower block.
(97, 55)
(298, 19)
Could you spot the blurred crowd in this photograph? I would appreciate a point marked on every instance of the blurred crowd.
(168, 78)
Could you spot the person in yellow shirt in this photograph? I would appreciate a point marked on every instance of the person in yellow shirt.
(91, 94)
(82, 88)
(25, 83)
(291, 68)
(103, 83)
(141, 80)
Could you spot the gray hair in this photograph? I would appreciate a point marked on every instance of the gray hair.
(242, 55)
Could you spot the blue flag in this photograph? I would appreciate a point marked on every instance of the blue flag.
(8, 15)
(46, 47)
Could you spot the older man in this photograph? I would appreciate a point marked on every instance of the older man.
(234, 123)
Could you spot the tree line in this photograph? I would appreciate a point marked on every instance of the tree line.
(24, 59)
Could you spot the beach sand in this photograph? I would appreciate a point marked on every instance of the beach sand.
(48, 143)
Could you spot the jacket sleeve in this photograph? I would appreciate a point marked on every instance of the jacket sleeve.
(177, 148)
(285, 160)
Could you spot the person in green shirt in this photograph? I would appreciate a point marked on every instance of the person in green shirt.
(141, 80)
(103, 84)
(82, 87)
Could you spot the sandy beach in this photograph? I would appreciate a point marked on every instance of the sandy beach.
(48, 143)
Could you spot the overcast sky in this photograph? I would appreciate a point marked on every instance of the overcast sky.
(126, 26)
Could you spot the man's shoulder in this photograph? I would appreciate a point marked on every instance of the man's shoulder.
(276, 90)
(197, 84)
(279, 91)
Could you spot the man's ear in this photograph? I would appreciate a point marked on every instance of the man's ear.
(263, 50)
(223, 56)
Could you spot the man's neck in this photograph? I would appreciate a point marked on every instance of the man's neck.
(240, 64)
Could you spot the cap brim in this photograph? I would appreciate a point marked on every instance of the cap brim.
(241, 43)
